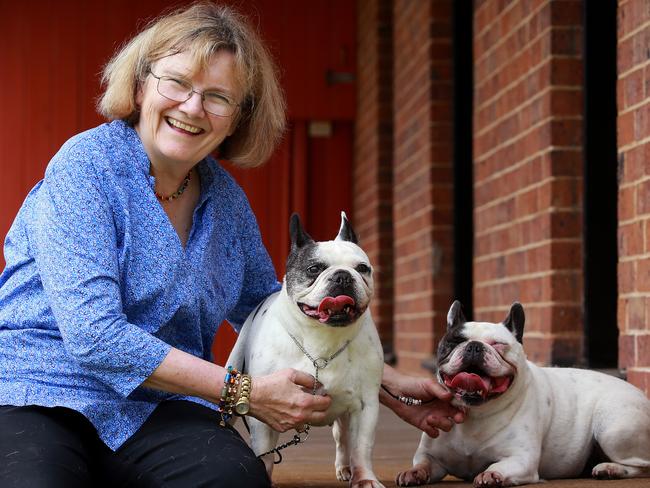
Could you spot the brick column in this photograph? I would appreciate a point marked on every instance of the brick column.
(528, 166)
(634, 192)
(372, 186)
(422, 177)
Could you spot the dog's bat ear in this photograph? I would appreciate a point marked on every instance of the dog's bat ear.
(455, 315)
(514, 322)
(298, 235)
(346, 233)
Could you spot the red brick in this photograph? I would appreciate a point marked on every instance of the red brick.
(643, 198)
(640, 379)
(627, 206)
(634, 88)
(626, 277)
(630, 238)
(643, 349)
(643, 275)
(626, 350)
(625, 123)
(636, 313)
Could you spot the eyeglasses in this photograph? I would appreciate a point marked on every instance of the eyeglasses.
(181, 91)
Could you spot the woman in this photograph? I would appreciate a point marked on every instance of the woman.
(124, 259)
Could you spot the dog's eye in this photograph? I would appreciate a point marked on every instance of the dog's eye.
(363, 268)
(314, 269)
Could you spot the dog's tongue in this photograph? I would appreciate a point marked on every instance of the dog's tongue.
(471, 382)
(329, 305)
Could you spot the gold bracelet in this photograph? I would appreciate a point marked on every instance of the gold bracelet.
(242, 406)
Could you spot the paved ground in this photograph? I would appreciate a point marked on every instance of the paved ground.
(312, 464)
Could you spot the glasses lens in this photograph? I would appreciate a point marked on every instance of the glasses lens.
(174, 89)
(218, 105)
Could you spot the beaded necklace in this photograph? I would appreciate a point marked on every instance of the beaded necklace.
(177, 193)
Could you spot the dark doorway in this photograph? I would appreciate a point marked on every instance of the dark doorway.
(600, 185)
(463, 65)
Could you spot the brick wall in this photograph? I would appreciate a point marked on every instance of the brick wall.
(527, 170)
(634, 191)
(422, 177)
(372, 182)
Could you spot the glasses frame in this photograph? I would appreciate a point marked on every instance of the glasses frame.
(192, 92)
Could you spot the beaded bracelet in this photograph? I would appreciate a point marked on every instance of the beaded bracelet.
(227, 399)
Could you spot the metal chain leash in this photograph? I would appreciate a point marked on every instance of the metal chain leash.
(293, 442)
(319, 363)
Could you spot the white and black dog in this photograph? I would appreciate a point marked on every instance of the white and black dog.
(320, 323)
(527, 423)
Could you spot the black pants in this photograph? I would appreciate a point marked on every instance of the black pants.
(180, 445)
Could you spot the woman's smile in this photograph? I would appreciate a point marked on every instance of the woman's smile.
(182, 127)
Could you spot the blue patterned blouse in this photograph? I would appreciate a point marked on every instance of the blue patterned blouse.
(97, 287)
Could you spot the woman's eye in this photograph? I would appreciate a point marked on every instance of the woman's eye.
(363, 268)
(182, 83)
(217, 97)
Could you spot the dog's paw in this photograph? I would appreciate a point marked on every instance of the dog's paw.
(416, 476)
(488, 478)
(367, 484)
(343, 473)
(609, 471)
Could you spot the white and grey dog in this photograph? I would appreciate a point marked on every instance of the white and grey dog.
(320, 323)
(528, 423)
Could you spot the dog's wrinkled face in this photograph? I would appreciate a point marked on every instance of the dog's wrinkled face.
(330, 282)
(478, 361)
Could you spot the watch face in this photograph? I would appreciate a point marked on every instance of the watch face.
(242, 408)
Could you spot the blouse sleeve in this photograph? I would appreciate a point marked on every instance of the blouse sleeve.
(259, 274)
(74, 242)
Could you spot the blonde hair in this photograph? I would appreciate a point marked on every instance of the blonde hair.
(203, 29)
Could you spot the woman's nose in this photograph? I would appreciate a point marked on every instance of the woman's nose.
(193, 105)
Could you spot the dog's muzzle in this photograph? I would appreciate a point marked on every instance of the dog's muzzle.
(336, 311)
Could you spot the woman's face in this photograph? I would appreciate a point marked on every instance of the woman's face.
(177, 135)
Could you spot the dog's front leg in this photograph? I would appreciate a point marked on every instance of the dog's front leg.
(340, 431)
(361, 436)
(510, 471)
(263, 439)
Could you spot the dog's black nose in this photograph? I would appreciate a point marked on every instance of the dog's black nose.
(473, 351)
(341, 277)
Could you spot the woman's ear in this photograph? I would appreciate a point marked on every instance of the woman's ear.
(139, 94)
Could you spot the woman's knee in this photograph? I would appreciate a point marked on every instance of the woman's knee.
(183, 445)
(39, 449)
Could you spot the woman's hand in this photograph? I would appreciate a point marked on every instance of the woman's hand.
(284, 400)
(435, 414)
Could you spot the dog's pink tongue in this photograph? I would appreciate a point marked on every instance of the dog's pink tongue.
(333, 304)
(471, 382)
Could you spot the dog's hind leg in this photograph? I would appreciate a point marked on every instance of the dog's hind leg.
(624, 437)
(425, 468)
(342, 461)
(263, 439)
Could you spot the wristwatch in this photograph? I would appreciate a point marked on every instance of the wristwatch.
(243, 404)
